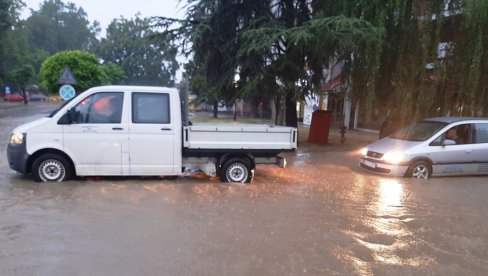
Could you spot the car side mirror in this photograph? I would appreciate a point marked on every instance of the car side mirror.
(66, 119)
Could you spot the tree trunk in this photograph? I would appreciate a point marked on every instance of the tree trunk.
(235, 111)
(215, 109)
(273, 109)
(278, 108)
(281, 110)
(291, 110)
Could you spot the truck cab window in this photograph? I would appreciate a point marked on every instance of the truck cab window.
(150, 108)
(100, 108)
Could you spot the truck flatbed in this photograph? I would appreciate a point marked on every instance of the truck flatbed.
(242, 137)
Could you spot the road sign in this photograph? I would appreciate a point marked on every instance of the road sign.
(7, 90)
(67, 77)
(67, 92)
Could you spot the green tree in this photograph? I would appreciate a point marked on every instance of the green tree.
(280, 47)
(9, 13)
(145, 60)
(84, 66)
(214, 50)
(114, 74)
(57, 26)
(464, 87)
(302, 45)
(19, 53)
(20, 77)
(390, 50)
(409, 72)
(210, 35)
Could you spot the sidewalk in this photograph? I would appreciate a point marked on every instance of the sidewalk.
(7, 105)
(10, 105)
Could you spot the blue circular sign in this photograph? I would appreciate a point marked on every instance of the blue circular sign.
(67, 92)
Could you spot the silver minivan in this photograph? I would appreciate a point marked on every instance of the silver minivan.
(435, 146)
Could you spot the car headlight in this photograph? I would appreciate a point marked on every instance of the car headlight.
(364, 151)
(394, 157)
(17, 138)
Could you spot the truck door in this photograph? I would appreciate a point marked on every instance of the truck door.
(151, 135)
(98, 134)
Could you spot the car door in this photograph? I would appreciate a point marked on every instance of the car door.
(97, 135)
(480, 146)
(452, 156)
(151, 134)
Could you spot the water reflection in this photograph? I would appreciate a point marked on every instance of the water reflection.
(390, 234)
(390, 195)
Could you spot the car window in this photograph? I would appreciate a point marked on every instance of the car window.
(458, 135)
(150, 108)
(419, 131)
(100, 108)
(480, 133)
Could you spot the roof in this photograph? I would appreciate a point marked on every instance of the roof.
(135, 88)
(455, 119)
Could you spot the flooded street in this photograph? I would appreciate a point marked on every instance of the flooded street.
(322, 215)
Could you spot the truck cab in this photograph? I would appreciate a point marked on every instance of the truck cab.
(128, 130)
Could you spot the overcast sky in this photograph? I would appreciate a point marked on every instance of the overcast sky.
(104, 11)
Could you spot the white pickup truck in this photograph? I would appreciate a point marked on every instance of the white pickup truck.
(137, 130)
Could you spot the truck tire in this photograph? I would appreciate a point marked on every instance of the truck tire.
(237, 170)
(51, 167)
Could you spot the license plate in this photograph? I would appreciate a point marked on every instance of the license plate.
(369, 164)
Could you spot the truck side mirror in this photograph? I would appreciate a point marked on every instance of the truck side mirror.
(66, 119)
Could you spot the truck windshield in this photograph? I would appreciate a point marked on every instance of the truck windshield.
(57, 109)
(419, 131)
(60, 106)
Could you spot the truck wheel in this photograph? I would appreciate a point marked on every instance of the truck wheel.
(419, 169)
(51, 167)
(237, 170)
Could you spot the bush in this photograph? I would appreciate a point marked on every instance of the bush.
(85, 68)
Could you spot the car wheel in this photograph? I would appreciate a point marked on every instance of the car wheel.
(420, 169)
(237, 170)
(51, 168)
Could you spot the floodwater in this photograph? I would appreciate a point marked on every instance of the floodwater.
(322, 215)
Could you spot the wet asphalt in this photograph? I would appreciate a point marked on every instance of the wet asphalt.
(322, 215)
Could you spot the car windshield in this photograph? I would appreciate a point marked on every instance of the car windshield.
(419, 131)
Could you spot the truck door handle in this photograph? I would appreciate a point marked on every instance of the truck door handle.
(469, 151)
(166, 128)
(117, 128)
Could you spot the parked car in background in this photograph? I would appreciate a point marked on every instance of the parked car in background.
(435, 146)
(13, 98)
(38, 97)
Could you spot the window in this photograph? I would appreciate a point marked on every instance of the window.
(100, 108)
(459, 135)
(150, 108)
(419, 131)
(456, 135)
(480, 133)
